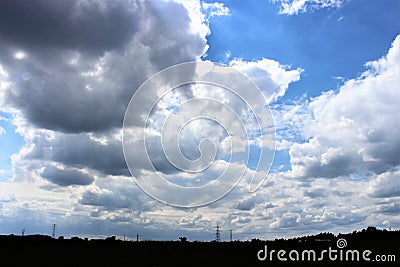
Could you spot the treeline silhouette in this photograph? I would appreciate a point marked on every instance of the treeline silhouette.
(42, 250)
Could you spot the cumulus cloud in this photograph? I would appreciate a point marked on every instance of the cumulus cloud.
(356, 130)
(90, 74)
(69, 99)
(214, 9)
(72, 83)
(249, 203)
(269, 75)
(294, 7)
(66, 177)
(385, 185)
(80, 151)
(112, 197)
(287, 220)
(68, 24)
(74, 67)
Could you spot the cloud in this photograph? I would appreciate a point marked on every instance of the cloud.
(348, 130)
(68, 102)
(112, 197)
(58, 24)
(269, 75)
(83, 74)
(2, 131)
(68, 97)
(294, 7)
(66, 177)
(287, 220)
(190, 221)
(385, 185)
(81, 151)
(215, 9)
(248, 204)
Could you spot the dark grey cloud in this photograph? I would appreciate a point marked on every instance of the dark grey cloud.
(390, 208)
(168, 34)
(108, 199)
(85, 59)
(387, 151)
(90, 26)
(80, 151)
(269, 205)
(247, 204)
(158, 157)
(83, 152)
(316, 193)
(66, 177)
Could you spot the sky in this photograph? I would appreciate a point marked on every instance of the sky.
(329, 74)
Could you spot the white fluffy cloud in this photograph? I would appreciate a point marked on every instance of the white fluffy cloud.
(270, 76)
(385, 185)
(344, 152)
(294, 7)
(355, 131)
(215, 9)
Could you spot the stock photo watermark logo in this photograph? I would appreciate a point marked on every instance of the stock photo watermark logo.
(340, 253)
(193, 131)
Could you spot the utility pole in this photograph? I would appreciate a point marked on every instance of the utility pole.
(218, 234)
(54, 231)
(137, 237)
(230, 235)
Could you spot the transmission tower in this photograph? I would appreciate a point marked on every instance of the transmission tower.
(53, 235)
(218, 234)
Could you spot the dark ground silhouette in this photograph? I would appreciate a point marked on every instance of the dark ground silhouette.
(41, 250)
